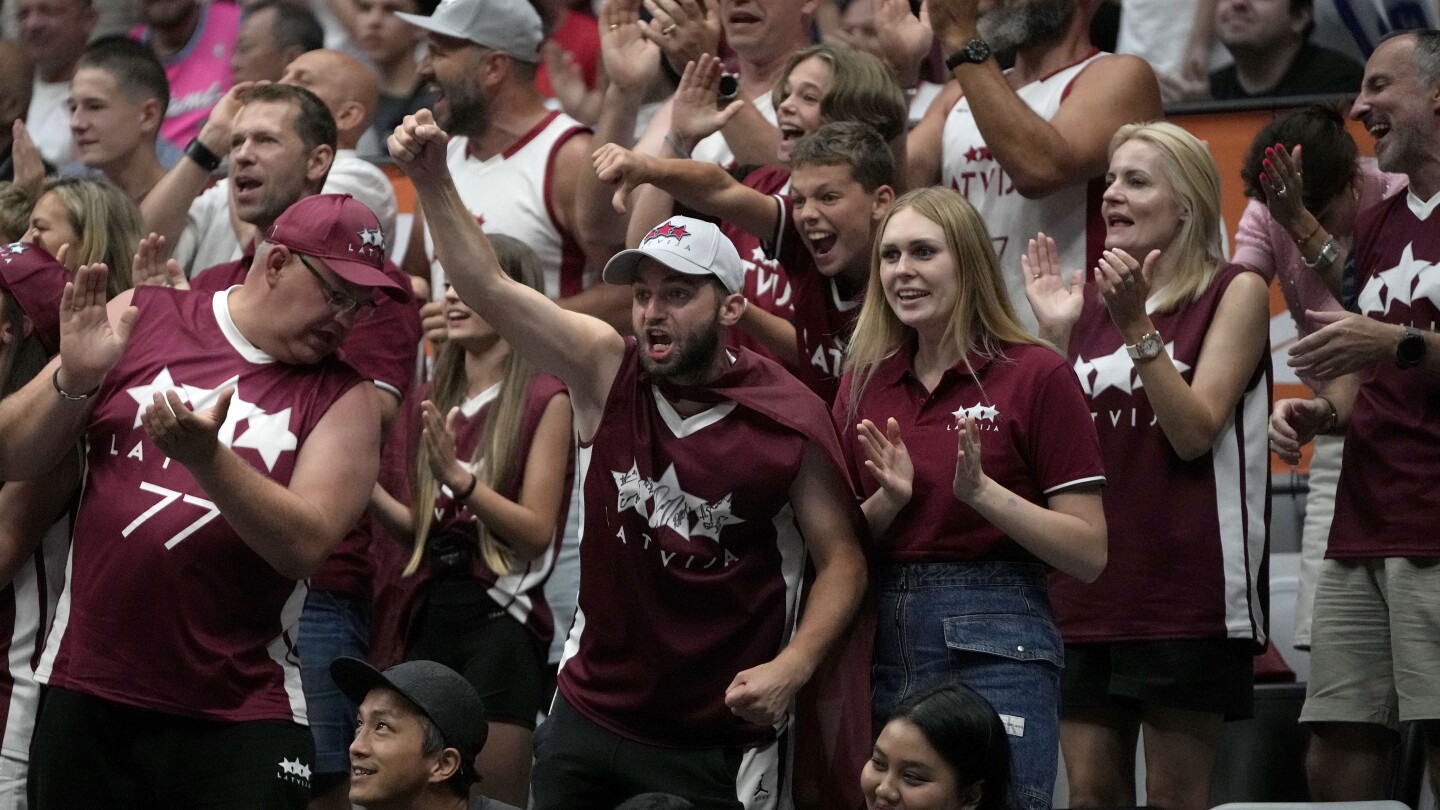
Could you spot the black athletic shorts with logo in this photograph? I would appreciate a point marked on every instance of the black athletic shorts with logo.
(89, 752)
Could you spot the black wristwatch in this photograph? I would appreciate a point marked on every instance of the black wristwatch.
(728, 91)
(1410, 351)
(201, 154)
(972, 53)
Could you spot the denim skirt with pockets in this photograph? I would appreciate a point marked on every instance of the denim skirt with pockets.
(986, 625)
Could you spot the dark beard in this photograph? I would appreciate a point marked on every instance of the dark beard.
(1008, 28)
(688, 362)
(468, 114)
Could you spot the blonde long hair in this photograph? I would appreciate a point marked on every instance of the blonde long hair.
(1191, 171)
(982, 321)
(107, 222)
(496, 454)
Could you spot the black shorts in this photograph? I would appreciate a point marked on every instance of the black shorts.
(1215, 676)
(464, 629)
(89, 752)
(579, 764)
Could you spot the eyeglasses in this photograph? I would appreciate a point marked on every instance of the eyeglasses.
(341, 303)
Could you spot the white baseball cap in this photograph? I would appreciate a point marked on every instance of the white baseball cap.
(690, 246)
(509, 26)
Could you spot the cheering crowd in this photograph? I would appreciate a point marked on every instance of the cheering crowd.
(769, 404)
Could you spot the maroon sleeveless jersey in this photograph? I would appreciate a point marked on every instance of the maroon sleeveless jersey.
(690, 557)
(383, 349)
(1188, 539)
(1385, 504)
(165, 607)
(522, 591)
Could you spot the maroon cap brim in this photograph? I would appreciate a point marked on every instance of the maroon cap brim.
(363, 274)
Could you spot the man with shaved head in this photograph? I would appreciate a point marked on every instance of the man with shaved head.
(352, 93)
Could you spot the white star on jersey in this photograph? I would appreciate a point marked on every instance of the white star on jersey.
(664, 502)
(1116, 370)
(758, 258)
(981, 413)
(268, 434)
(1398, 285)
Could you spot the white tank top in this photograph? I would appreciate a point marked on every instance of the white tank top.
(510, 194)
(1071, 215)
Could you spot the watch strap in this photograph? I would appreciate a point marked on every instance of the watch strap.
(201, 154)
(1147, 347)
(971, 53)
(1329, 252)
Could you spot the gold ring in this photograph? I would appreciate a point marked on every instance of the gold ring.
(668, 29)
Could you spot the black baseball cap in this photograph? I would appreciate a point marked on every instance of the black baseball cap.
(438, 692)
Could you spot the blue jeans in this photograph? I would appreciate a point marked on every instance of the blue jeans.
(331, 625)
(989, 627)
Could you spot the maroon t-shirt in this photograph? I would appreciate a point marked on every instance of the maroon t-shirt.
(690, 558)
(1390, 476)
(165, 607)
(384, 349)
(1036, 439)
(1188, 539)
(521, 592)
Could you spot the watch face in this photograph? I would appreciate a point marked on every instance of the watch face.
(1410, 351)
(977, 50)
(729, 85)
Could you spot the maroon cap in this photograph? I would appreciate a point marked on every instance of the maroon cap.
(31, 274)
(343, 232)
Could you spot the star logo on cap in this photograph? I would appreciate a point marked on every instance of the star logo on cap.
(372, 237)
(15, 248)
(667, 231)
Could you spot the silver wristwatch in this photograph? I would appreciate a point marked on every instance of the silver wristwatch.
(1148, 347)
(1329, 252)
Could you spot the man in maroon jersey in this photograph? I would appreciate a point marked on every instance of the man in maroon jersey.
(1375, 655)
(281, 141)
(211, 425)
(701, 469)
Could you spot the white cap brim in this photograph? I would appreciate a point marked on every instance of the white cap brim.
(429, 24)
(622, 266)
